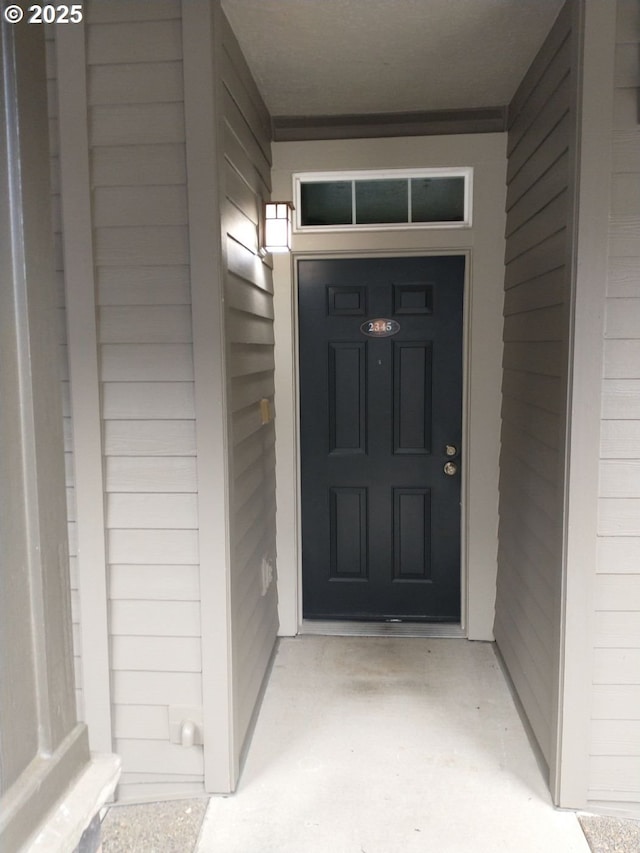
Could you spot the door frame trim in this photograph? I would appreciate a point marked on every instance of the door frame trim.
(455, 629)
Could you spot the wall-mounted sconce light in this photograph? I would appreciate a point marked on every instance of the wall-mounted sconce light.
(277, 226)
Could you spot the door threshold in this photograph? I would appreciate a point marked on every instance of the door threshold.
(381, 629)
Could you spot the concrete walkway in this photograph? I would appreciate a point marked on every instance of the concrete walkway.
(389, 745)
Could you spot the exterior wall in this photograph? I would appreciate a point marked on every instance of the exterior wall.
(152, 432)
(61, 329)
(483, 244)
(614, 748)
(541, 152)
(248, 289)
(42, 746)
(137, 174)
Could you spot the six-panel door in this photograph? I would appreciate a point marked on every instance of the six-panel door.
(381, 402)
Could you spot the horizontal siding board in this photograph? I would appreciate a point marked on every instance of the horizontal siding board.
(616, 702)
(540, 357)
(142, 246)
(141, 721)
(625, 110)
(617, 630)
(538, 98)
(152, 324)
(155, 619)
(240, 227)
(246, 423)
(541, 392)
(150, 474)
(136, 124)
(548, 185)
(555, 109)
(623, 318)
(245, 297)
(626, 151)
(539, 659)
(154, 583)
(625, 195)
(248, 266)
(259, 181)
(138, 792)
(538, 514)
(624, 235)
(531, 421)
(245, 359)
(622, 359)
(620, 439)
(134, 41)
(150, 438)
(252, 513)
(541, 161)
(241, 195)
(529, 449)
(140, 206)
(118, 11)
(529, 604)
(139, 165)
(148, 400)
(543, 324)
(156, 654)
(616, 666)
(627, 66)
(512, 653)
(147, 362)
(246, 453)
(157, 688)
(240, 86)
(528, 534)
(549, 49)
(618, 555)
(619, 516)
(620, 479)
(152, 511)
(621, 399)
(248, 329)
(538, 227)
(155, 757)
(233, 57)
(248, 390)
(163, 547)
(614, 773)
(135, 83)
(168, 285)
(542, 258)
(252, 482)
(621, 737)
(618, 592)
(245, 133)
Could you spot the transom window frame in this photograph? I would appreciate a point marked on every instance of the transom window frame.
(465, 172)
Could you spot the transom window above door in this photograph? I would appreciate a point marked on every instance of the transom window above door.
(363, 200)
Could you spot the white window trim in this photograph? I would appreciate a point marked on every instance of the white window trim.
(465, 172)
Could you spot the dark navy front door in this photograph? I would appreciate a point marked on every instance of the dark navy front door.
(381, 410)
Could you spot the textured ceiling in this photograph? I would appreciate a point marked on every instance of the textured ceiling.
(332, 57)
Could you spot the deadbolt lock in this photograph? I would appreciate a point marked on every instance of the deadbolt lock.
(450, 468)
(451, 450)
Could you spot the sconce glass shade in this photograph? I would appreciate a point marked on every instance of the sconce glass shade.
(277, 226)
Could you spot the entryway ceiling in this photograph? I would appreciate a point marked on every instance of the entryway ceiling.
(337, 57)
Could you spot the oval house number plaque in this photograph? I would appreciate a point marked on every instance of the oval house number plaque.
(380, 328)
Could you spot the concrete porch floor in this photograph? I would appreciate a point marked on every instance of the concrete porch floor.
(383, 745)
(376, 745)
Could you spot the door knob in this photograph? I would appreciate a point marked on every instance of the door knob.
(451, 450)
(450, 468)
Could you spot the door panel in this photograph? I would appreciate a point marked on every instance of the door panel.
(380, 518)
